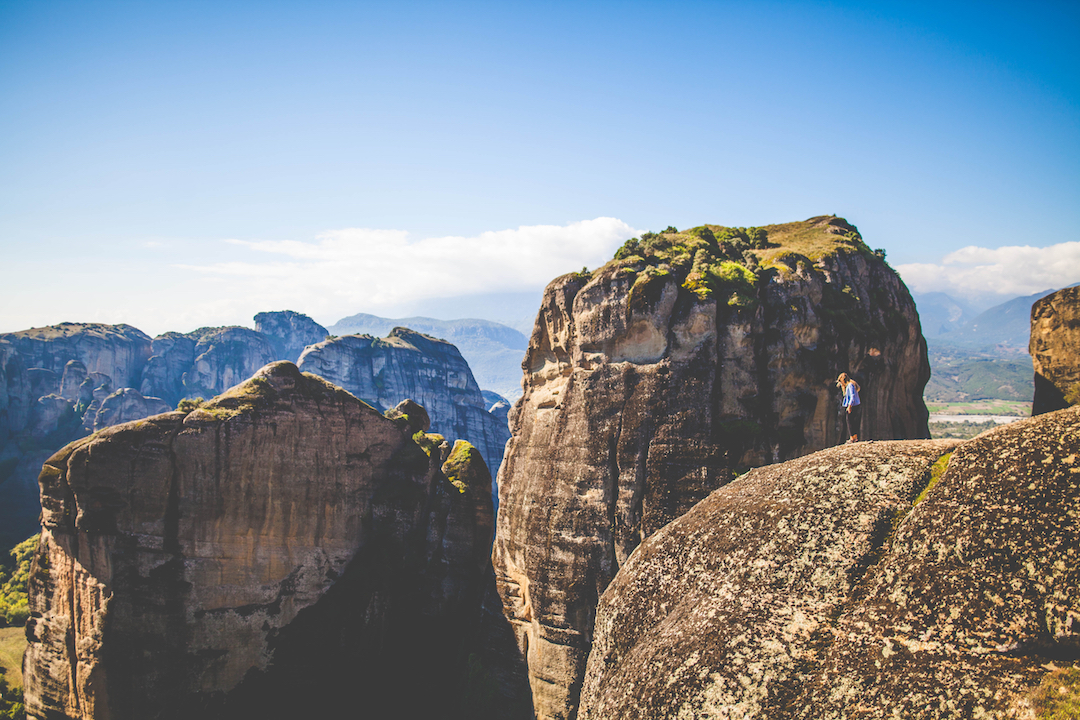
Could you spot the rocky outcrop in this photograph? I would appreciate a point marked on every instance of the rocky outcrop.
(225, 357)
(856, 582)
(125, 405)
(281, 551)
(1055, 350)
(119, 351)
(289, 332)
(163, 376)
(651, 381)
(407, 364)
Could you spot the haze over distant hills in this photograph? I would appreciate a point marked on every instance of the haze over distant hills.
(977, 353)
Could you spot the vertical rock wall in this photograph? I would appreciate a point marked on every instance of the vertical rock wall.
(1055, 350)
(270, 554)
(644, 392)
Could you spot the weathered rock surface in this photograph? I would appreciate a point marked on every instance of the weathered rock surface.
(125, 405)
(650, 381)
(411, 365)
(493, 350)
(282, 551)
(829, 587)
(163, 376)
(225, 357)
(289, 332)
(119, 351)
(1055, 350)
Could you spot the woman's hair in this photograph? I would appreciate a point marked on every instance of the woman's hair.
(843, 380)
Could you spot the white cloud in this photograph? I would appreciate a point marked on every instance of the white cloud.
(365, 270)
(1005, 271)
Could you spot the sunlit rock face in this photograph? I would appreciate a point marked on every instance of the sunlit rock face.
(408, 364)
(1055, 350)
(282, 550)
(650, 382)
(855, 582)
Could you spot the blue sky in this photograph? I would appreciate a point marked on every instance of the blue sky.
(180, 164)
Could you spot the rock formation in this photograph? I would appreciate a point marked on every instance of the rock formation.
(493, 350)
(281, 551)
(1055, 350)
(119, 351)
(125, 405)
(289, 332)
(408, 364)
(163, 376)
(225, 357)
(856, 582)
(650, 381)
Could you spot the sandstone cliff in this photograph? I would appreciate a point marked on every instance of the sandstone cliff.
(856, 582)
(289, 332)
(281, 551)
(651, 380)
(1055, 350)
(410, 365)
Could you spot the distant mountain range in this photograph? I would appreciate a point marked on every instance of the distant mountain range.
(977, 353)
(494, 351)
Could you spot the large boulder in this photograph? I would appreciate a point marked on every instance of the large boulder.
(856, 582)
(1055, 350)
(289, 332)
(281, 551)
(652, 381)
(410, 365)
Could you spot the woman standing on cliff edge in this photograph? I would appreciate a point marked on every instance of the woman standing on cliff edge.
(852, 406)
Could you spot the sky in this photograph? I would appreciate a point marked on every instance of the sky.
(180, 164)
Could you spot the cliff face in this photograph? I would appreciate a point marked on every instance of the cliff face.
(856, 582)
(410, 365)
(119, 351)
(225, 357)
(282, 550)
(650, 381)
(289, 332)
(1055, 350)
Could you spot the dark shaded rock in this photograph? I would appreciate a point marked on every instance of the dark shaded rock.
(831, 587)
(125, 405)
(48, 414)
(15, 396)
(282, 551)
(410, 365)
(1055, 350)
(414, 415)
(651, 381)
(224, 357)
(163, 376)
(289, 332)
(43, 382)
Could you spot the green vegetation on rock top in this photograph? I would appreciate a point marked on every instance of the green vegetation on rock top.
(461, 464)
(714, 261)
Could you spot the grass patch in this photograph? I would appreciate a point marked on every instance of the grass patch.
(12, 646)
(980, 407)
(936, 471)
(1058, 695)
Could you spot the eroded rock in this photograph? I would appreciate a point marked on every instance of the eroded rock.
(410, 365)
(650, 382)
(282, 550)
(289, 332)
(837, 586)
(1055, 350)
